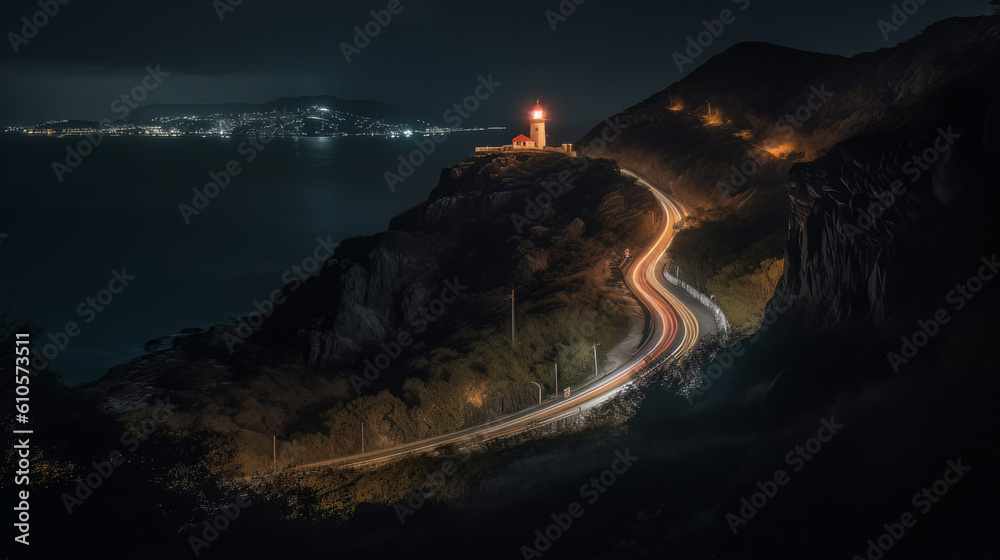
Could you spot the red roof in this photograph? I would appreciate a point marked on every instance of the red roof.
(521, 138)
(538, 106)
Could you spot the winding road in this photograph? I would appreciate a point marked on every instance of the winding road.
(677, 322)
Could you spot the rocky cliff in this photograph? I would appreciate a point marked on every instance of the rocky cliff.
(892, 215)
(489, 221)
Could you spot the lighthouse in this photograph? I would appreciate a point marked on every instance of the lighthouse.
(536, 121)
(538, 125)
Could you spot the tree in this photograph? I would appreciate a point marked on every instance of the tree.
(996, 5)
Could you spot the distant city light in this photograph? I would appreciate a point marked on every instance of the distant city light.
(311, 121)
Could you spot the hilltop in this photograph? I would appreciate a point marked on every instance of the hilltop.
(772, 107)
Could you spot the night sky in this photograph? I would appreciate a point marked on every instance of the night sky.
(603, 58)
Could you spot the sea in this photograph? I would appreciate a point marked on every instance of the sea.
(120, 250)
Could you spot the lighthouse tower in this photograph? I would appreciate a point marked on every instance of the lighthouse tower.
(538, 125)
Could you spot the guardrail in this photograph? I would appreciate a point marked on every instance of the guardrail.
(709, 303)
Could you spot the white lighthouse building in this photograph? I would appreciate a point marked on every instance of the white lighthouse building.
(538, 125)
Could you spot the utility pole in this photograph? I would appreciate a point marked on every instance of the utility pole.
(513, 341)
(274, 443)
(557, 380)
(362, 438)
(539, 392)
(596, 374)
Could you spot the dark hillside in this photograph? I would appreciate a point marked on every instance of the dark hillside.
(761, 124)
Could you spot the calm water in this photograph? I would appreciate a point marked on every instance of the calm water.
(119, 208)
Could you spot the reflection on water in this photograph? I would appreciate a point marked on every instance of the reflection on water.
(120, 208)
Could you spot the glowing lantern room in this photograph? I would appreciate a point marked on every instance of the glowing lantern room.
(537, 113)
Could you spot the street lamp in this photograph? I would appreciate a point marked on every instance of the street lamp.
(539, 391)
(596, 374)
